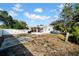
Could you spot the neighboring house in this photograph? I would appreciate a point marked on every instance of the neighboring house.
(47, 29)
(42, 29)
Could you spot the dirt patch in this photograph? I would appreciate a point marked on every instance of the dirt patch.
(51, 45)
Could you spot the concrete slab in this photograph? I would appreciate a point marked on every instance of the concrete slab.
(9, 42)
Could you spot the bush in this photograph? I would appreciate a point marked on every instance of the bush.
(75, 35)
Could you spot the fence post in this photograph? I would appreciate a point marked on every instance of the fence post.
(67, 36)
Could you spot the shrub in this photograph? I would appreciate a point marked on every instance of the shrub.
(75, 35)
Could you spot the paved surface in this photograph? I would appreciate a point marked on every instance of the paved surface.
(9, 42)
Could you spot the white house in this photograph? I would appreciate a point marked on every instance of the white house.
(41, 29)
(47, 29)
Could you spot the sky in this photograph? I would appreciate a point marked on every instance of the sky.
(33, 13)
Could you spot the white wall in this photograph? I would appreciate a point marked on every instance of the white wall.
(12, 31)
(47, 29)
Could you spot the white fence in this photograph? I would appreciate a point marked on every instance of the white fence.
(12, 31)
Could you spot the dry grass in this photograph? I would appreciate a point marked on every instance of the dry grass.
(50, 45)
(46, 45)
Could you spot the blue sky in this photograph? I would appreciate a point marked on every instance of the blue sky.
(33, 13)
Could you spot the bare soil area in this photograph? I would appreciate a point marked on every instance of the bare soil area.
(51, 45)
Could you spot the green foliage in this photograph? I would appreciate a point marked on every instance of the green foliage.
(10, 23)
(75, 35)
(67, 12)
(69, 21)
(69, 18)
(20, 25)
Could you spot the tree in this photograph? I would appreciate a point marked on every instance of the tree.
(76, 12)
(6, 18)
(67, 14)
(9, 22)
(20, 25)
(70, 17)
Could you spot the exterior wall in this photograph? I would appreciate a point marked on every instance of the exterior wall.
(42, 29)
(12, 31)
(47, 29)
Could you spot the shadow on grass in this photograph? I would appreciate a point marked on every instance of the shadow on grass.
(15, 50)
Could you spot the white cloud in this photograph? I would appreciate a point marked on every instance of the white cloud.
(58, 10)
(39, 10)
(56, 16)
(52, 20)
(12, 13)
(35, 16)
(17, 7)
(60, 7)
(1, 9)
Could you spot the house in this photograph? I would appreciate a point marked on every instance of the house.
(47, 29)
(41, 29)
